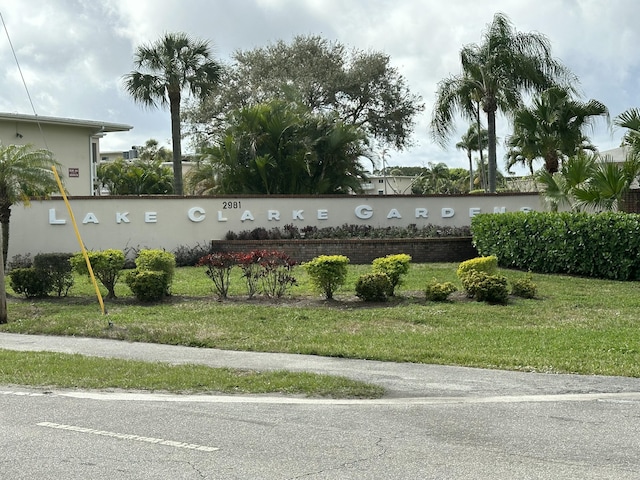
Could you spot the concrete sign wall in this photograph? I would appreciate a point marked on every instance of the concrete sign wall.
(168, 222)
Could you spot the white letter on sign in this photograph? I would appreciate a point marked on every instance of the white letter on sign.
(448, 212)
(122, 217)
(196, 214)
(90, 218)
(394, 213)
(53, 220)
(246, 216)
(364, 212)
(422, 213)
(273, 215)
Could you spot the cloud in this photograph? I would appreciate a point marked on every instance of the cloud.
(73, 53)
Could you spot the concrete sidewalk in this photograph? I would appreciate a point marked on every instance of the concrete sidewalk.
(402, 380)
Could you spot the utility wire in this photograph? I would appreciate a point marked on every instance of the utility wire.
(33, 108)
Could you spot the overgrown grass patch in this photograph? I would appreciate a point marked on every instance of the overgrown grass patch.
(75, 371)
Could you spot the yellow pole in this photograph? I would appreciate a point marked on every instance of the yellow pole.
(84, 250)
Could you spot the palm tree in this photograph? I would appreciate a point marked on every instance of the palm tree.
(588, 181)
(496, 74)
(473, 142)
(152, 151)
(166, 68)
(24, 173)
(630, 119)
(282, 148)
(608, 183)
(436, 178)
(334, 166)
(552, 129)
(558, 189)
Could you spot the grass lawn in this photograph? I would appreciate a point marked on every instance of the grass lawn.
(576, 325)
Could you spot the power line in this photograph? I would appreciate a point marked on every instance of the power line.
(33, 108)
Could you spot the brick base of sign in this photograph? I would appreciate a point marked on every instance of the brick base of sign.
(631, 201)
(360, 251)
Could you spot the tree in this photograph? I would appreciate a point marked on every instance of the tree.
(630, 119)
(24, 173)
(552, 129)
(138, 177)
(282, 148)
(472, 141)
(588, 181)
(401, 171)
(608, 183)
(361, 88)
(558, 188)
(495, 75)
(166, 68)
(437, 178)
(152, 151)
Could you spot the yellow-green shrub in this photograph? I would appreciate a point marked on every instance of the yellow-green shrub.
(488, 265)
(373, 287)
(524, 287)
(327, 273)
(484, 287)
(107, 266)
(394, 266)
(157, 260)
(438, 292)
(147, 285)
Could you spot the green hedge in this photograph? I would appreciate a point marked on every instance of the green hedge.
(600, 245)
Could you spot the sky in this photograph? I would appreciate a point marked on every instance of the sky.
(73, 53)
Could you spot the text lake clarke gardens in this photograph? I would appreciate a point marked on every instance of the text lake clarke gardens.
(197, 214)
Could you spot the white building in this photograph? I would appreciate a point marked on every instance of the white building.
(75, 144)
(389, 185)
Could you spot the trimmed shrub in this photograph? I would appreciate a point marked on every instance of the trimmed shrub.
(487, 265)
(30, 282)
(524, 287)
(600, 245)
(290, 231)
(327, 273)
(158, 261)
(58, 267)
(147, 285)
(373, 287)
(394, 266)
(439, 292)
(484, 287)
(107, 267)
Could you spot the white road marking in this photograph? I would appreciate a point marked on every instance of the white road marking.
(158, 397)
(24, 394)
(124, 436)
(617, 397)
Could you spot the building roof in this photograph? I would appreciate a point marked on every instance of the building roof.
(98, 126)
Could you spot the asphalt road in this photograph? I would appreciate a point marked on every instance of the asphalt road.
(436, 423)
